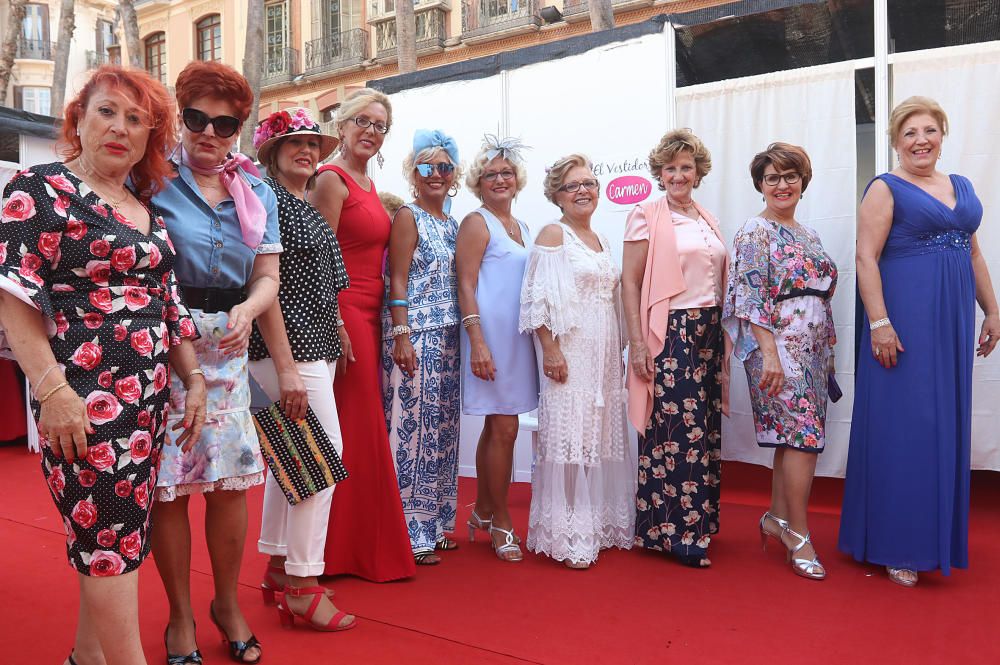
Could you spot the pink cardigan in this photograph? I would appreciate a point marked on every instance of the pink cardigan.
(661, 281)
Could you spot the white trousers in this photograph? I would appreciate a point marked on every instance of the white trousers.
(298, 532)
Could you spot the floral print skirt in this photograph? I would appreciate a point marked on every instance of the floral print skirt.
(422, 415)
(680, 455)
(227, 456)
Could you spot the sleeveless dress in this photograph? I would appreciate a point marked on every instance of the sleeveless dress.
(906, 495)
(498, 294)
(367, 535)
(583, 483)
(423, 413)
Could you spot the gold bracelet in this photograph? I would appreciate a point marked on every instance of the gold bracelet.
(196, 370)
(52, 392)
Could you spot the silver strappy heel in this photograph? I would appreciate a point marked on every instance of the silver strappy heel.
(510, 546)
(764, 533)
(477, 522)
(809, 568)
(897, 575)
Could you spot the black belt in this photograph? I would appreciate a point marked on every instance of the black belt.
(798, 293)
(212, 300)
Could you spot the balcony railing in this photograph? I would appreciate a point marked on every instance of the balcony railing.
(579, 9)
(430, 29)
(488, 17)
(338, 51)
(95, 59)
(34, 49)
(380, 10)
(280, 66)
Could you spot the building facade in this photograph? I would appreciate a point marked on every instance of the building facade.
(95, 41)
(316, 51)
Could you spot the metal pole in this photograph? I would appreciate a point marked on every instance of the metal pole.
(670, 61)
(882, 102)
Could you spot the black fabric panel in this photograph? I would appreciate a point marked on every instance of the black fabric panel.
(491, 65)
(22, 122)
(734, 9)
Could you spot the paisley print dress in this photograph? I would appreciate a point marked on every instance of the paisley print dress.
(109, 297)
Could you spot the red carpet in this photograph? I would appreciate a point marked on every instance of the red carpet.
(633, 607)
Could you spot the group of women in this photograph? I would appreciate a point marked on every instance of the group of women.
(139, 346)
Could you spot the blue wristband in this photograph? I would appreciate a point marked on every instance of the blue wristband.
(399, 303)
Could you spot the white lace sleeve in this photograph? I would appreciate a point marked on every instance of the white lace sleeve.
(548, 293)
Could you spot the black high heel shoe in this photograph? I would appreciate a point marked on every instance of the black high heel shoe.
(237, 648)
(193, 658)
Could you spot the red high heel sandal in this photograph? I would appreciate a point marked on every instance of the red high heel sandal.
(270, 587)
(317, 592)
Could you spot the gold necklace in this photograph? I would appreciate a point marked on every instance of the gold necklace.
(114, 204)
(503, 223)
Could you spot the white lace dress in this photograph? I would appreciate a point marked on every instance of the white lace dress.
(583, 483)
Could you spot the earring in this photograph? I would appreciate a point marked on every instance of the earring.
(380, 159)
(77, 131)
(454, 190)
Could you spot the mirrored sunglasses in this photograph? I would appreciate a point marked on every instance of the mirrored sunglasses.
(444, 169)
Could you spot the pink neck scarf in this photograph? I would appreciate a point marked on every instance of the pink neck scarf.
(249, 209)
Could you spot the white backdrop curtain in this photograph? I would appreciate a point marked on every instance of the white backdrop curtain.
(814, 108)
(963, 80)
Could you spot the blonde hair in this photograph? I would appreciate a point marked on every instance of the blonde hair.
(672, 144)
(912, 106)
(390, 202)
(479, 164)
(556, 174)
(424, 156)
(356, 102)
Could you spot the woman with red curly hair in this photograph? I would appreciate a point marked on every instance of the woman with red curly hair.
(89, 308)
(224, 219)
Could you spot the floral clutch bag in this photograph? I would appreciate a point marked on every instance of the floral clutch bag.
(299, 454)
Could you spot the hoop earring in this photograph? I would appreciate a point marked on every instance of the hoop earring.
(453, 191)
(380, 159)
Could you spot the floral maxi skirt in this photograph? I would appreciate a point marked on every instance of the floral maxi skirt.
(680, 455)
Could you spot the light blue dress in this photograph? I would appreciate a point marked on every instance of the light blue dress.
(498, 295)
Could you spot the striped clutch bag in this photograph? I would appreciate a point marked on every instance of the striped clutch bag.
(300, 455)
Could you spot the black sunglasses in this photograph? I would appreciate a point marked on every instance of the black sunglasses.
(224, 125)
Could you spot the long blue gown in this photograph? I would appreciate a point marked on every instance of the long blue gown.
(906, 495)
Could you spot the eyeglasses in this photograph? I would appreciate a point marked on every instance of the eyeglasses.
(573, 187)
(444, 169)
(772, 179)
(493, 175)
(195, 120)
(365, 123)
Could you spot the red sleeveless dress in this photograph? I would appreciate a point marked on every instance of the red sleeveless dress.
(367, 535)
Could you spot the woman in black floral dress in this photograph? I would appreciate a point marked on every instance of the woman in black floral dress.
(89, 308)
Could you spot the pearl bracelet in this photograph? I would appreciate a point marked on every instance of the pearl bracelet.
(879, 324)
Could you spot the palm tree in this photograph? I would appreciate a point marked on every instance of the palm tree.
(67, 25)
(253, 65)
(406, 37)
(602, 16)
(15, 17)
(130, 26)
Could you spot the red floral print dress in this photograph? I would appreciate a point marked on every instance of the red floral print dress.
(109, 297)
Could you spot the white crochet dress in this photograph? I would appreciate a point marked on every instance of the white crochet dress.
(584, 478)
